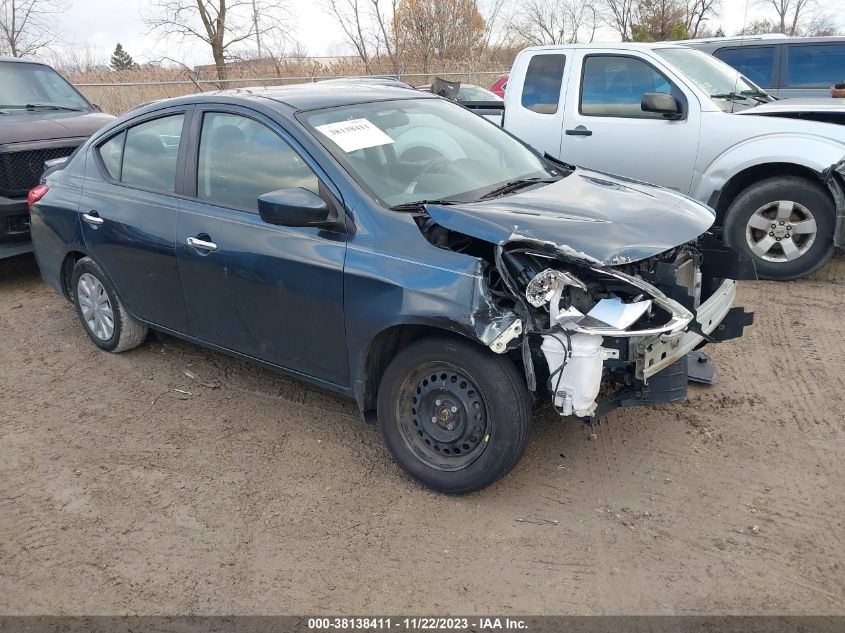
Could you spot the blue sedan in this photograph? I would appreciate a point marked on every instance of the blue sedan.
(390, 246)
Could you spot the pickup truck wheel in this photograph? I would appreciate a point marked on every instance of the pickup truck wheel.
(103, 316)
(454, 416)
(785, 224)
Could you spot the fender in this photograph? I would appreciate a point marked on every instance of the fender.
(811, 151)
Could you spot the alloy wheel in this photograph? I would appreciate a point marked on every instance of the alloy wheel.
(781, 231)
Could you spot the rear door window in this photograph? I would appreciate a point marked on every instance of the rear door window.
(755, 62)
(543, 79)
(241, 159)
(815, 65)
(150, 154)
(111, 152)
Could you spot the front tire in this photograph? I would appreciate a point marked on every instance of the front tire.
(453, 415)
(785, 224)
(104, 318)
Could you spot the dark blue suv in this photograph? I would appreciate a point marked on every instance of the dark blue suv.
(394, 247)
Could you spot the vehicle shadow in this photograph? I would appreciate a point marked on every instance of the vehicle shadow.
(18, 270)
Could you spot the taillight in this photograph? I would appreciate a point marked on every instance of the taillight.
(35, 194)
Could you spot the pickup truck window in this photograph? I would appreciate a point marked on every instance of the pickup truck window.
(815, 65)
(614, 85)
(755, 62)
(541, 88)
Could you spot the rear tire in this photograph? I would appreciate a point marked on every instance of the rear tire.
(785, 224)
(104, 318)
(455, 416)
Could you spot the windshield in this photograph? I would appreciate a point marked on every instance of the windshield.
(413, 150)
(36, 86)
(725, 85)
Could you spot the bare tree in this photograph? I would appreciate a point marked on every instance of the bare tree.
(541, 22)
(26, 26)
(659, 20)
(369, 26)
(699, 12)
(790, 13)
(440, 30)
(619, 15)
(349, 14)
(222, 24)
(821, 25)
(760, 26)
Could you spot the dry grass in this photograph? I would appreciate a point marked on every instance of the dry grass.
(118, 91)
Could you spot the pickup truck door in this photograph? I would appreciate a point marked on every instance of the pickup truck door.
(605, 128)
(534, 113)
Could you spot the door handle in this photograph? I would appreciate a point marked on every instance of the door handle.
(92, 218)
(203, 245)
(579, 131)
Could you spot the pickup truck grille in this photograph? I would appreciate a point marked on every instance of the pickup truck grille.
(20, 171)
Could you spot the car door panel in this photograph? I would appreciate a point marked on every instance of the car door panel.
(610, 135)
(131, 231)
(271, 292)
(274, 293)
(538, 109)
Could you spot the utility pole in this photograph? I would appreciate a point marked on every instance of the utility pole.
(255, 26)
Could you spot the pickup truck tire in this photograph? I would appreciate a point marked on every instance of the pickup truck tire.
(455, 416)
(103, 316)
(785, 224)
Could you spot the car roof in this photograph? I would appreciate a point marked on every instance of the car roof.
(309, 96)
(21, 60)
(760, 40)
(606, 45)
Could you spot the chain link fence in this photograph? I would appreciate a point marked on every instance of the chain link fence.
(117, 98)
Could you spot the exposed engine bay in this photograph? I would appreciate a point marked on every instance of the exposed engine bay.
(592, 336)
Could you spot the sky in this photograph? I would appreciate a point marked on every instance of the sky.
(100, 24)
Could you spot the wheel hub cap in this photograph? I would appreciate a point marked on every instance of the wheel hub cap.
(95, 306)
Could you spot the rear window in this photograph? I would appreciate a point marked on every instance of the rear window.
(815, 65)
(541, 90)
(112, 154)
(755, 62)
(146, 154)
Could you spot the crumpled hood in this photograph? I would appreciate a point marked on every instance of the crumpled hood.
(607, 219)
(21, 126)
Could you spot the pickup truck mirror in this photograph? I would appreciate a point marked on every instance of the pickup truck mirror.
(661, 103)
(295, 206)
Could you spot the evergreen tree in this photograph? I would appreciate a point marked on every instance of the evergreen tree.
(720, 32)
(121, 60)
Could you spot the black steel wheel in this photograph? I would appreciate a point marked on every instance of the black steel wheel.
(454, 415)
(443, 416)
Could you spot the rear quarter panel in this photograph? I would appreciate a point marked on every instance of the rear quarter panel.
(55, 220)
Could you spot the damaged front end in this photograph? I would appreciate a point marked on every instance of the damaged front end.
(593, 336)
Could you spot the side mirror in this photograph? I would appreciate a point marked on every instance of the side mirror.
(97, 107)
(295, 207)
(661, 103)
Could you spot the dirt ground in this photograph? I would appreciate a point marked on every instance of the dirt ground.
(249, 493)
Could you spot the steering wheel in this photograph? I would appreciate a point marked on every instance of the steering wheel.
(440, 161)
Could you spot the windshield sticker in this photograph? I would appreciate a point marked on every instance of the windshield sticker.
(355, 134)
